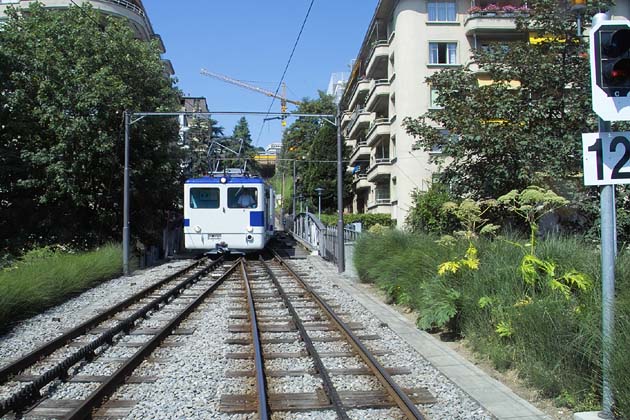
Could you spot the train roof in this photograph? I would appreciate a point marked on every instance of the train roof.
(230, 180)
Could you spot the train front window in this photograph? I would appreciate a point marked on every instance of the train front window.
(242, 198)
(204, 198)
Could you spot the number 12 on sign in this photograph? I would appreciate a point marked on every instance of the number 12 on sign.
(606, 158)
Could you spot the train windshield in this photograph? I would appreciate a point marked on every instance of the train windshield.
(204, 198)
(242, 198)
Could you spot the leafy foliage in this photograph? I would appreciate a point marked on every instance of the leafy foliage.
(553, 342)
(367, 220)
(427, 214)
(312, 144)
(532, 204)
(440, 304)
(201, 132)
(524, 126)
(64, 87)
(470, 214)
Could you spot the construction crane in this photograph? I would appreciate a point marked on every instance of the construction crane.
(283, 99)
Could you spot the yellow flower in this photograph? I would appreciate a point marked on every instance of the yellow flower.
(523, 302)
(504, 329)
(448, 267)
(472, 263)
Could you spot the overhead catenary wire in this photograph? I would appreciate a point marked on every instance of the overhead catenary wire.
(286, 68)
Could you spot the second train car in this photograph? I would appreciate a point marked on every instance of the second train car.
(228, 212)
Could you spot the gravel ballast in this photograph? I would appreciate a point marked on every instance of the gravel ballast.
(189, 378)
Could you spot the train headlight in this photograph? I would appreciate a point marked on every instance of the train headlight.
(250, 229)
(223, 180)
(197, 229)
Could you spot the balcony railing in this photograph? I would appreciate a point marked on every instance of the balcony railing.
(355, 120)
(127, 5)
(361, 85)
(380, 202)
(378, 90)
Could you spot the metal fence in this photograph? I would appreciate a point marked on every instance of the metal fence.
(319, 237)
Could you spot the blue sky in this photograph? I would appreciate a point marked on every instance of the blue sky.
(251, 40)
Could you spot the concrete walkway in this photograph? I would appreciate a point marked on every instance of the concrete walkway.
(488, 392)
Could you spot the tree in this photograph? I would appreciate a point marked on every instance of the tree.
(525, 126)
(313, 143)
(319, 170)
(299, 136)
(70, 76)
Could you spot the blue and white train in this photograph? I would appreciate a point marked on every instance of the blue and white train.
(228, 212)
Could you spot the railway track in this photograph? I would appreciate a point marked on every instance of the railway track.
(63, 358)
(297, 352)
(289, 323)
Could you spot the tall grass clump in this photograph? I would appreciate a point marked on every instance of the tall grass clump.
(47, 276)
(533, 309)
(399, 263)
(621, 359)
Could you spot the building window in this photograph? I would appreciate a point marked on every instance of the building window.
(441, 10)
(433, 95)
(442, 52)
(381, 194)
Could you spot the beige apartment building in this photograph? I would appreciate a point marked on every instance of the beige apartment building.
(408, 40)
(132, 11)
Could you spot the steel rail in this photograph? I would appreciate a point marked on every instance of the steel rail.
(118, 377)
(30, 393)
(329, 387)
(52, 345)
(402, 400)
(261, 381)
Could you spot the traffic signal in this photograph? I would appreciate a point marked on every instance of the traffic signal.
(610, 69)
(614, 61)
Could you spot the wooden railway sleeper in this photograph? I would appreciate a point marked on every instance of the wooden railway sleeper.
(28, 394)
(329, 387)
(402, 400)
(51, 346)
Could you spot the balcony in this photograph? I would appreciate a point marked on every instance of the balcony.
(378, 97)
(380, 205)
(359, 93)
(381, 168)
(160, 43)
(360, 152)
(360, 121)
(134, 14)
(489, 18)
(379, 128)
(360, 182)
(345, 118)
(377, 62)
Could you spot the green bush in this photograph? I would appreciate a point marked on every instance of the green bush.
(552, 337)
(426, 213)
(47, 276)
(367, 219)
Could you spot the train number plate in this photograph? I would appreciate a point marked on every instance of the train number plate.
(214, 236)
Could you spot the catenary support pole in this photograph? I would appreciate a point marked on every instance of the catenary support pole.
(125, 238)
(294, 192)
(341, 263)
(282, 221)
(607, 197)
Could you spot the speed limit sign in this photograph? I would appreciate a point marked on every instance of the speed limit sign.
(606, 158)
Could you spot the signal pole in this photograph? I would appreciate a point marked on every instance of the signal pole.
(341, 252)
(610, 83)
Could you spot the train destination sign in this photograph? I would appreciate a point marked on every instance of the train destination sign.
(606, 158)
